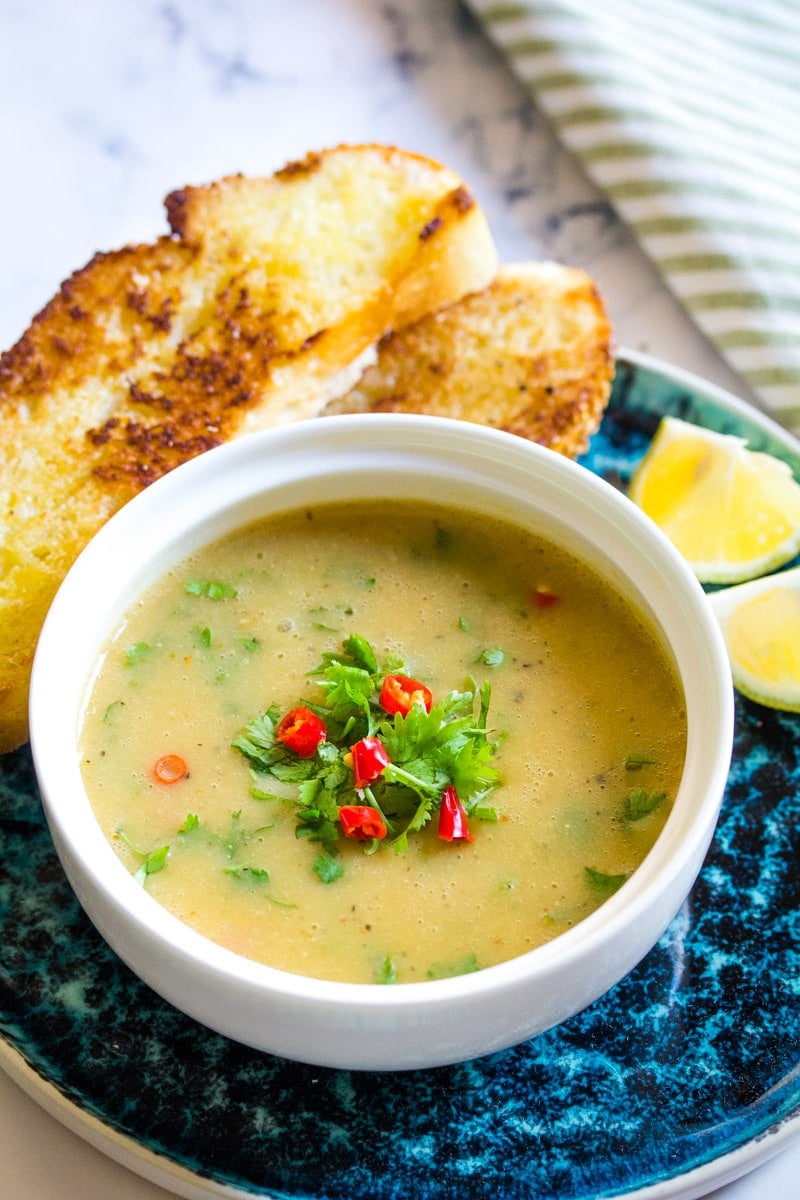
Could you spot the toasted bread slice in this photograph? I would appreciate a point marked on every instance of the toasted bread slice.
(254, 311)
(530, 354)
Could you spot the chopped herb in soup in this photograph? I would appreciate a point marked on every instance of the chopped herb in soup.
(383, 743)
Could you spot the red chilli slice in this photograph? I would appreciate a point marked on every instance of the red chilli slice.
(302, 731)
(399, 693)
(361, 822)
(453, 818)
(170, 768)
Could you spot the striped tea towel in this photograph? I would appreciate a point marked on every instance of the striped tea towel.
(687, 113)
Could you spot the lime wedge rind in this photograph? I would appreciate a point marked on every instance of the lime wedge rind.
(752, 571)
(733, 513)
(760, 623)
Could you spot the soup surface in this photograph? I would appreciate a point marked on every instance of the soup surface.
(586, 715)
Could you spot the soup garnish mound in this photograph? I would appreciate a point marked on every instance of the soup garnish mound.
(383, 742)
(378, 758)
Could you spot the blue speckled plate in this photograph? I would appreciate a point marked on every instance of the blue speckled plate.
(682, 1077)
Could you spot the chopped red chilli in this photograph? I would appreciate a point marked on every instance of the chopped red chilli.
(542, 597)
(361, 822)
(453, 818)
(399, 693)
(369, 760)
(170, 768)
(302, 731)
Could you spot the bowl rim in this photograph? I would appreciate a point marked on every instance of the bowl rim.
(684, 837)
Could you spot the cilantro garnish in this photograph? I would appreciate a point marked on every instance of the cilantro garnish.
(635, 762)
(447, 746)
(154, 860)
(387, 972)
(640, 803)
(492, 657)
(111, 711)
(603, 883)
(446, 970)
(248, 874)
(136, 653)
(443, 539)
(214, 589)
(328, 869)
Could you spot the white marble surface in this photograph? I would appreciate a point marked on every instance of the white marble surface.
(106, 107)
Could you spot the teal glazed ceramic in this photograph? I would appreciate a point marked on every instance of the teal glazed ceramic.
(684, 1074)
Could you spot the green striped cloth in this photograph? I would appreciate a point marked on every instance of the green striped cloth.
(687, 114)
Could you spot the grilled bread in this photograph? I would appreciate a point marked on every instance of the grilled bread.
(254, 310)
(530, 354)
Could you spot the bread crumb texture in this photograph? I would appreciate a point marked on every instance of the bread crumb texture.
(531, 354)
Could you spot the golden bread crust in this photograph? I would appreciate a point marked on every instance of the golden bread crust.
(262, 295)
(530, 354)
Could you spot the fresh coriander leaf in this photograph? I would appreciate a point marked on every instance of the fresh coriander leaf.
(635, 762)
(484, 812)
(307, 792)
(315, 827)
(422, 814)
(258, 793)
(640, 803)
(472, 771)
(348, 691)
(136, 653)
(248, 874)
(603, 883)
(328, 869)
(463, 624)
(492, 657)
(317, 820)
(420, 776)
(205, 638)
(485, 699)
(346, 684)
(123, 837)
(111, 711)
(214, 589)
(250, 644)
(387, 972)
(237, 836)
(443, 539)
(191, 823)
(155, 861)
(392, 664)
(288, 771)
(461, 966)
(257, 741)
(361, 652)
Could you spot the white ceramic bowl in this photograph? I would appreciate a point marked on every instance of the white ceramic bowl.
(363, 1025)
